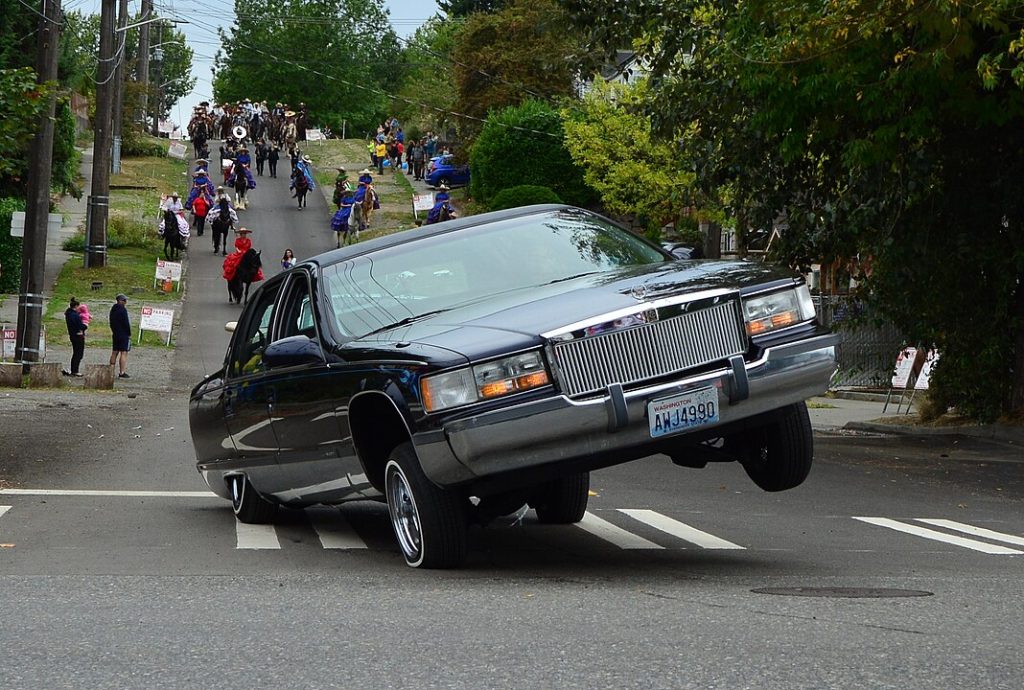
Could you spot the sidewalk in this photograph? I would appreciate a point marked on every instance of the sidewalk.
(851, 412)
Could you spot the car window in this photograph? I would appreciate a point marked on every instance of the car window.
(296, 310)
(472, 264)
(252, 334)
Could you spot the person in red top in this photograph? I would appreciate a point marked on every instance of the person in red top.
(242, 267)
(200, 207)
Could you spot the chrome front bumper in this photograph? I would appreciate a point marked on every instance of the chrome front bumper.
(559, 429)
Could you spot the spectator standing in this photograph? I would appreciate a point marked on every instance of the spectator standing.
(417, 159)
(262, 151)
(76, 333)
(382, 153)
(288, 260)
(121, 331)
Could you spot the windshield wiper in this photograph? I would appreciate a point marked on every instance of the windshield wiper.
(578, 275)
(406, 321)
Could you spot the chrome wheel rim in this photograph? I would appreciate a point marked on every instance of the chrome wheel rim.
(405, 518)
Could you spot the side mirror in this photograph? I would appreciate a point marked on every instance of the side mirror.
(230, 326)
(293, 351)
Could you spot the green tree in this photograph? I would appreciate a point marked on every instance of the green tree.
(524, 145)
(886, 130)
(426, 95)
(339, 57)
(635, 172)
(503, 58)
(464, 8)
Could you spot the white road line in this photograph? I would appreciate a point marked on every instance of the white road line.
(939, 536)
(256, 536)
(974, 531)
(334, 530)
(4, 509)
(616, 535)
(679, 529)
(111, 492)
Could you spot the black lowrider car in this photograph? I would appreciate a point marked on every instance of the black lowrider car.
(462, 371)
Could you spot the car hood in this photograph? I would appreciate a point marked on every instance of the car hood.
(514, 320)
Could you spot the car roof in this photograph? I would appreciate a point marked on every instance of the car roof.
(334, 256)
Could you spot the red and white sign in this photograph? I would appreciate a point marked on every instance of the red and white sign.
(9, 343)
(156, 319)
(904, 367)
(422, 202)
(168, 269)
(924, 378)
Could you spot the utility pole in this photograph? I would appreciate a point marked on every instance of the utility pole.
(99, 200)
(158, 58)
(122, 21)
(142, 61)
(37, 210)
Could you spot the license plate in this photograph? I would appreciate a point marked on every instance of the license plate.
(683, 412)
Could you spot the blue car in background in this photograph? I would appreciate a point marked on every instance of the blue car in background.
(442, 170)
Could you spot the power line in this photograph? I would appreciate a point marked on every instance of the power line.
(37, 12)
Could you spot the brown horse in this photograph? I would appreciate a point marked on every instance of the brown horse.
(370, 202)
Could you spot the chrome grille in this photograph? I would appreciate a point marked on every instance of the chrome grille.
(682, 342)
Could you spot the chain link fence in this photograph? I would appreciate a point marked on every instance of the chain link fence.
(868, 352)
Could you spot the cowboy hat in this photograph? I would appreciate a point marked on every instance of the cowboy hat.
(243, 231)
(341, 170)
(444, 188)
(305, 159)
(365, 171)
(289, 113)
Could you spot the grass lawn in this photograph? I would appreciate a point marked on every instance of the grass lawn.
(135, 192)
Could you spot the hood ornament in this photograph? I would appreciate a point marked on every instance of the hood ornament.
(638, 292)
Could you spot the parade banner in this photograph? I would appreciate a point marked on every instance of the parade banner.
(156, 319)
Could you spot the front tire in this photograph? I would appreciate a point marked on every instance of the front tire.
(429, 522)
(780, 456)
(563, 501)
(249, 506)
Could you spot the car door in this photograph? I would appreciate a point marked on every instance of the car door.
(246, 392)
(310, 409)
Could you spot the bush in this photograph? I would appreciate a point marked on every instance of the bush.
(523, 145)
(523, 195)
(122, 231)
(135, 143)
(10, 247)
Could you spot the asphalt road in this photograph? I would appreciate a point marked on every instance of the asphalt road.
(655, 590)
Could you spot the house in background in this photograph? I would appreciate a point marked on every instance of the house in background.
(627, 69)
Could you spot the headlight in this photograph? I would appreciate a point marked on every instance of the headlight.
(483, 381)
(766, 313)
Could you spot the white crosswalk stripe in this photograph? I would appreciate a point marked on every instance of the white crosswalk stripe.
(334, 530)
(616, 535)
(679, 529)
(4, 509)
(934, 535)
(974, 531)
(255, 536)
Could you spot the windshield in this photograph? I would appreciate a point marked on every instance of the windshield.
(448, 270)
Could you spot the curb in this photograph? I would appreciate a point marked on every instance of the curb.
(992, 433)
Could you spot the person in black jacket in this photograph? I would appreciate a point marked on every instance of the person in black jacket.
(272, 157)
(121, 330)
(76, 332)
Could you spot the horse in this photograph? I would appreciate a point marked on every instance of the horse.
(240, 183)
(301, 186)
(221, 224)
(245, 273)
(370, 202)
(173, 243)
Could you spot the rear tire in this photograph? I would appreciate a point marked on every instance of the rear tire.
(429, 522)
(780, 456)
(563, 501)
(249, 506)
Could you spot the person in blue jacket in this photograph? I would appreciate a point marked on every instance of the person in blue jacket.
(76, 332)
(121, 331)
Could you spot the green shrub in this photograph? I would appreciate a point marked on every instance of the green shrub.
(523, 195)
(523, 145)
(10, 247)
(135, 143)
(122, 231)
